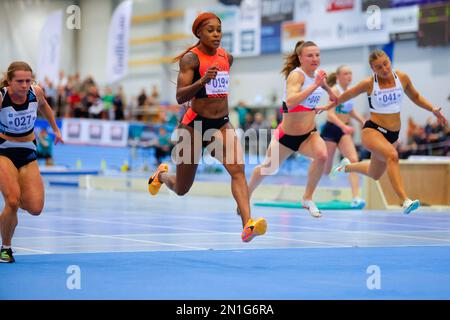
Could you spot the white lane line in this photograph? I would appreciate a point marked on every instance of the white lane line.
(271, 224)
(112, 237)
(239, 249)
(32, 250)
(129, 223)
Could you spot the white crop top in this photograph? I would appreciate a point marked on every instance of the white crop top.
(18, 120)
(388, 100)
(311, 102)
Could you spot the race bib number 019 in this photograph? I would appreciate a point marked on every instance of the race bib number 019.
(219, 85)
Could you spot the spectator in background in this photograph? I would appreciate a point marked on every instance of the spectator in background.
(242, 111)
(436, 137)
(412, 127)
(75, 82)
(108, 103)
(44, 147)
(142, 99)
(419, 144)
(119, 104)
(163, 145)
(62, 79)
(60, 102)
(87, 83)
(74, 101)
(50, 93)
(141, 102)
(61, 95)
(92, 104)
(153, 100)
(273, 121)
(262, 128)
(248, 121)
(259, 122)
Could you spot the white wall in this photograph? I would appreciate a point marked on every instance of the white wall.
(92, 38)
(146, 76)
(20, 25)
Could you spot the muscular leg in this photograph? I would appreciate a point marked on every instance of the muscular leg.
(315, 148)
(275, 156)
(331, 149)
(348, 150)
(31, 189)
(9, 185)
(384, 156)
(227, 149)
(186, 154)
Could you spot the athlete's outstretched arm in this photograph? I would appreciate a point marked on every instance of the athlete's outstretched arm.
(47, 112)
(419, 100)
(355, 91)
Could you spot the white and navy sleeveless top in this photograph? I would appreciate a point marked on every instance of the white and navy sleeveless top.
(346, 107)
(311, 102)
(387, 100)
(18, 120)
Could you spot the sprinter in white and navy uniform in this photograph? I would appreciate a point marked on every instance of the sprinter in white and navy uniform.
(385, 90)
(18, 121)
(303, 90)
(337, 131)
(20, 181)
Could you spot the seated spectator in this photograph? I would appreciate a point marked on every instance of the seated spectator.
(153, 100)
(262, 128)
(44, 147)
(248, 121)
(119, 104)
(92, 103)
(75, 105)
(163, 145)
(242, 111)
(436, 137)
(420, 141)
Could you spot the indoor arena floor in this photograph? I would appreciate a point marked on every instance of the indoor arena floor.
(125, 245)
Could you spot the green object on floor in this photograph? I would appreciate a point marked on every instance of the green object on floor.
(330, 205)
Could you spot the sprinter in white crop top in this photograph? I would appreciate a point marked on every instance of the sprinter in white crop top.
(304, 87)
(337, 131)
(385, 91)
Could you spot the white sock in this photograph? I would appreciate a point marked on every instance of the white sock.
(6, 247)
(407, 202)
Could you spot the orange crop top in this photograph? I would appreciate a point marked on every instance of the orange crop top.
(218, 87)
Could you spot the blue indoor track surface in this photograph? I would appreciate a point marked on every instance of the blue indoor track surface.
(133, 246)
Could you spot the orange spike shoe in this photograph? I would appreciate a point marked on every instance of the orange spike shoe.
(254, 228)
(153, 183)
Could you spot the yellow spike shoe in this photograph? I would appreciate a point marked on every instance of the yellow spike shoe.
(254, 228)
(153, 183)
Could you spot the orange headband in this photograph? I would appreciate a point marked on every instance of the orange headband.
(202, 17)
